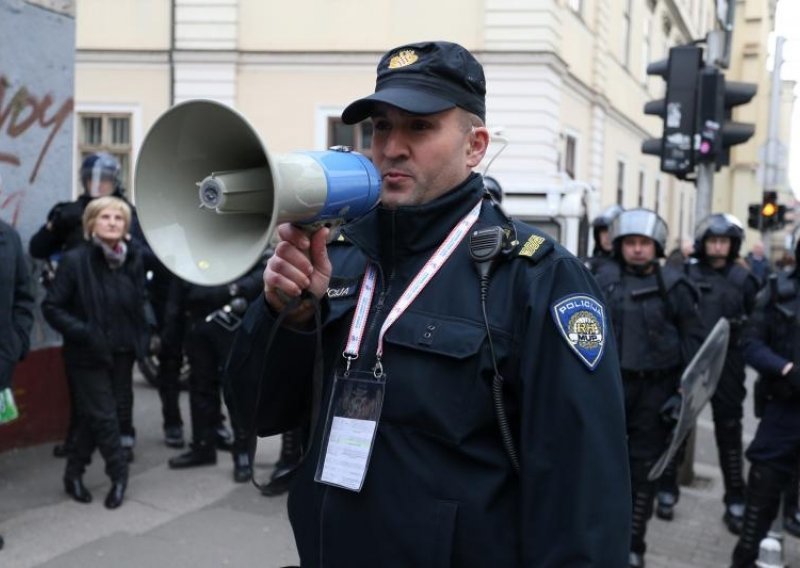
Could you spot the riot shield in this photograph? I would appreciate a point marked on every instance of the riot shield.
(698, 383)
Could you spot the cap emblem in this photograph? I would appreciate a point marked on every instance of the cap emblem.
(403, 58)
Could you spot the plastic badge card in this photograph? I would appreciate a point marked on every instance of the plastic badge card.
(350, 428)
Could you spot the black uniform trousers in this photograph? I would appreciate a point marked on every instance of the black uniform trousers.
(207, 347)
(648, 436)
(170, 361)
(96, 397)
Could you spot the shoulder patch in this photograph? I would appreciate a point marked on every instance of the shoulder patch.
(535, 248)
(582, 322)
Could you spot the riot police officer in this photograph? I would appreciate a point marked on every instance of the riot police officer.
(658, 329)
(771, 345)
(728, 290)
(212, 315)
(63, 231)
(603, 251)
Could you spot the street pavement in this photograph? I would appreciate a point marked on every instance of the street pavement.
(200, 518)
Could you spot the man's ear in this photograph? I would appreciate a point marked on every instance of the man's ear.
(478, 143)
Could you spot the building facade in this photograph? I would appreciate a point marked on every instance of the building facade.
(567, 83)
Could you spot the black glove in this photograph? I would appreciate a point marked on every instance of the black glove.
(793, 377)
(65, 217)
(785, 387)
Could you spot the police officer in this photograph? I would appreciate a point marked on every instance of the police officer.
(658, 329)
(727, 289)
(603, 251)
(442, 393)
(63, 231)
(771, 344)
(212, 314)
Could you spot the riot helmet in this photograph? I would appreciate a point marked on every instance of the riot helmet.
(493, 187)
(718, 225)
(97, 168)
(603, 223)
(644, 222)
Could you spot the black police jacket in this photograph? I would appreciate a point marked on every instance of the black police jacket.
(771, 338)
(729, 292)
(655, 317)
(440, 489)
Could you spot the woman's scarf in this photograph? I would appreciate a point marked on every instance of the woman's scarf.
(114, 257)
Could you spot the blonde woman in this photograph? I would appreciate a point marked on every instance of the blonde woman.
(97, 303)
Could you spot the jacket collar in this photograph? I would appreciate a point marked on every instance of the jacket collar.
(413, 229)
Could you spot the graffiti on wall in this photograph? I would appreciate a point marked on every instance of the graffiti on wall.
(25, 113)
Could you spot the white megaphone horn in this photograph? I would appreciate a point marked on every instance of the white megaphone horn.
(209, 195)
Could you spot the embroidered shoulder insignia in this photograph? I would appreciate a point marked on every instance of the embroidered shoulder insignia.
(535, 248)
(582, 323)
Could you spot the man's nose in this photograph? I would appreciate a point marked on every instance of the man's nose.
(395, 145)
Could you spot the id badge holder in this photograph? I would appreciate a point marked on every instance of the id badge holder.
(350, 427)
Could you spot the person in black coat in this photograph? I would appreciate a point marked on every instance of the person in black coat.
(97, 303)
(658, 329)
(63, 231)
(16, 305)
(727, 289)
(479, 422)
(771, 345)
(212, 314)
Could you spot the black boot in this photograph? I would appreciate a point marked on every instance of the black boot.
(763, 498)
(791, 515)
(729, 445)
(224, 438)
(242, 467)
(291, 455)
(665, 505)
(642, 511)
(77, 490)
(199, 454)
(116, 494)
(173, 436)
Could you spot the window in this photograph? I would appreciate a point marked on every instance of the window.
(626, 34)
(640, 199)
(621, 182)
(575, 5)
(569, 155)
(646, 33)
(106, 132)
(356, 136)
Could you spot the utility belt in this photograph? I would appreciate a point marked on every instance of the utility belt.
(651, 374)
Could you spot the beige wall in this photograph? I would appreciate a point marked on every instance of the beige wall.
(123, 24)
(293, 65)
(326, 25)
(287, 117)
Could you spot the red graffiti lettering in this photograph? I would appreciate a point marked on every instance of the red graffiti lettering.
(22, 112)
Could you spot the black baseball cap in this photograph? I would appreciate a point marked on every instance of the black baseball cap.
(425, 78)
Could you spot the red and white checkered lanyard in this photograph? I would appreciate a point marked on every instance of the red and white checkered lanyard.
(416, 286)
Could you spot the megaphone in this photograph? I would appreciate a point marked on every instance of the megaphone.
(209, 195)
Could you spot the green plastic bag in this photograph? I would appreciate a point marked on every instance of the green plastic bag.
(8, 408)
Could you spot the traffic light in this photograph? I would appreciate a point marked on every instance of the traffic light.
(711, 114)
(736, 93)
(771, 214)
(754, 216)
(678, 109)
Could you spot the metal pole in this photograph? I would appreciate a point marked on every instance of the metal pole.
(715, 50)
